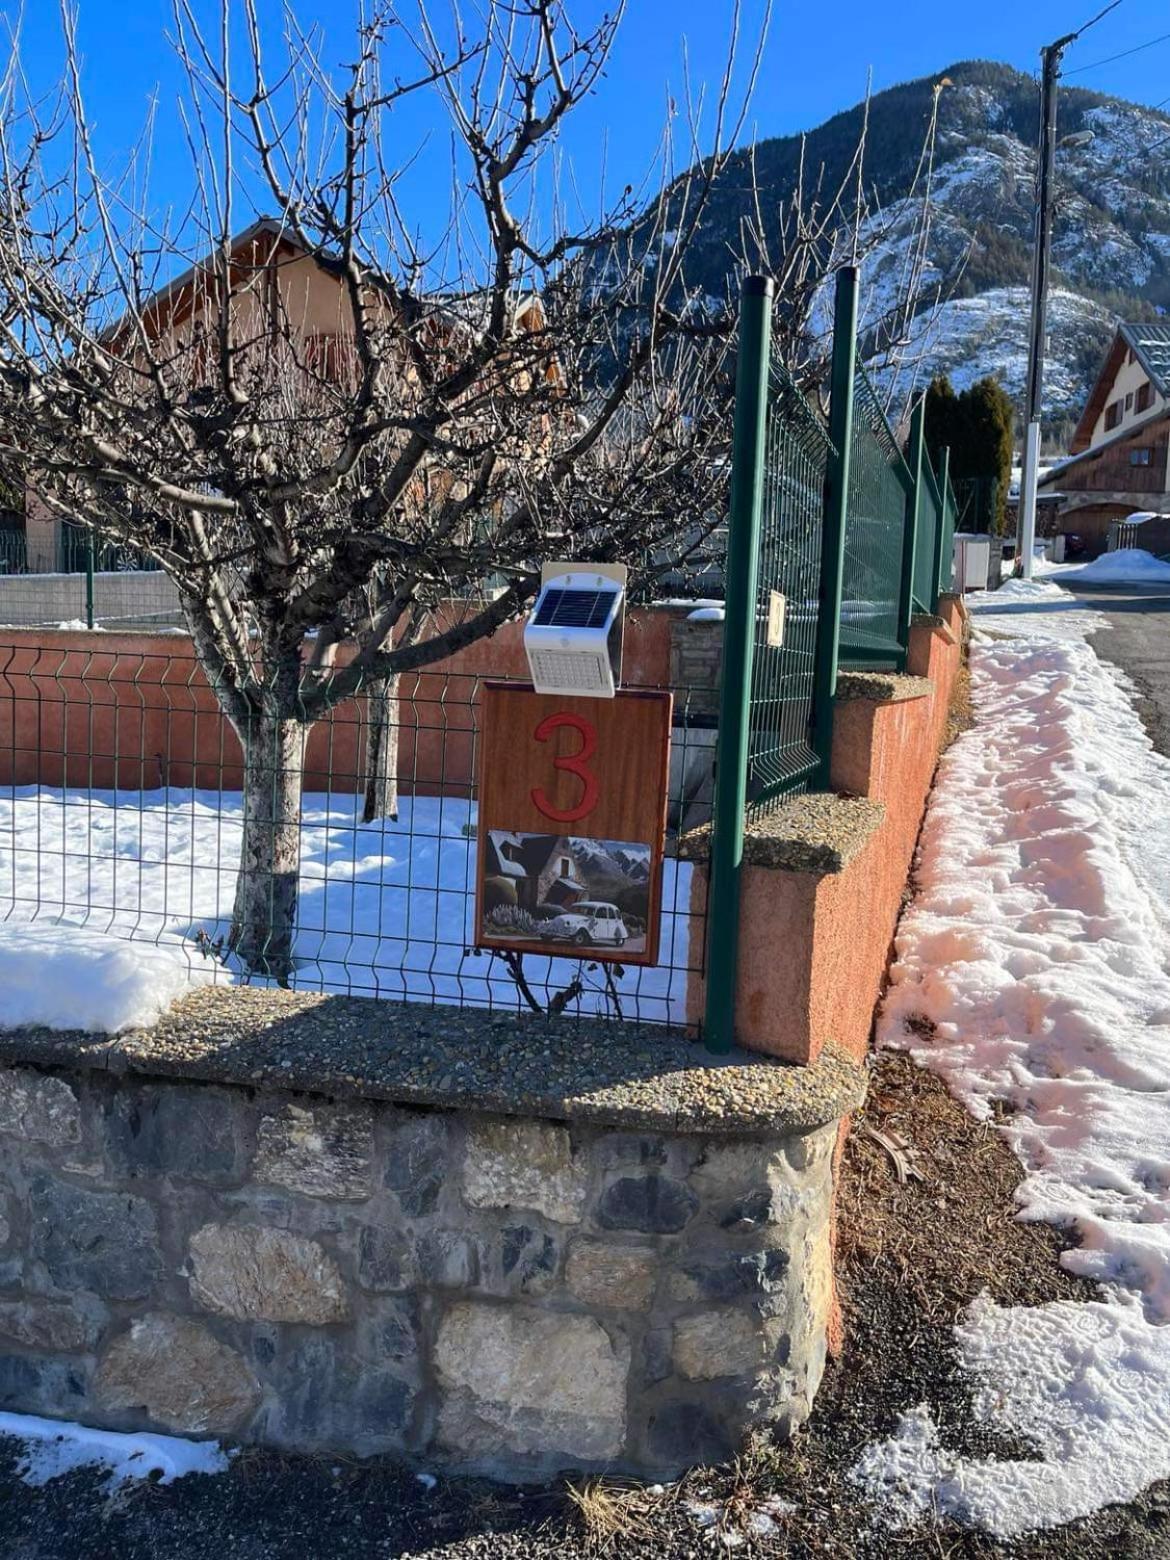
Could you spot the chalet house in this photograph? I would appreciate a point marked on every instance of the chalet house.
(538, 867)
(272, 276)
(1119, 451)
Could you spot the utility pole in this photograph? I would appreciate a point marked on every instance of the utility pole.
(1045, 180)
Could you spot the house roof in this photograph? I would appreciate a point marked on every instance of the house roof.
(1150, 345)
(468, 310)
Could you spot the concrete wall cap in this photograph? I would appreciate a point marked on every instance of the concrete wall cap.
(592, 1071)
(882, 687)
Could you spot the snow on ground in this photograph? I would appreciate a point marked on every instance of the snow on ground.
(53, 1447)
(64, 975)
(1037, 949)
(385, 909)
(1126, 566)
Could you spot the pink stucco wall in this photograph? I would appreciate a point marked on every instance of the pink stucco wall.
(814, 948)
(135, 710)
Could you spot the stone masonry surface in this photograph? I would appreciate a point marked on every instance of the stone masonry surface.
(507, 1293)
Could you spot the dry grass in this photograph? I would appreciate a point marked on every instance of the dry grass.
(611, 1512)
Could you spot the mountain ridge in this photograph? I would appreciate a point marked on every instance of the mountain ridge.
(1111, 232)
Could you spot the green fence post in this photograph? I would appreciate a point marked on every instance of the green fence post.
(739, 633)
(828, 645)
(944, 537)
(910, 533)
(89, 579)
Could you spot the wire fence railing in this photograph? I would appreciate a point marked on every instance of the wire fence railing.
(124, 809)
(782, 758)
(122, 815)
(879, 489)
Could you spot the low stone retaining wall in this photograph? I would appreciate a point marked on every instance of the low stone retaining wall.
(328, 1224)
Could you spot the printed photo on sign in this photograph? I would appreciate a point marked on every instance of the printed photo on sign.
(554, 889)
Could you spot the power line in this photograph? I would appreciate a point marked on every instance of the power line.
(1124, 55)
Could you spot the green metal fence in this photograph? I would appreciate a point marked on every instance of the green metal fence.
(781, 755)
(931, 520)
(835, 541)
(880, 487)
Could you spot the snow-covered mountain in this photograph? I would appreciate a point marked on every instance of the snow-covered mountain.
(1111, 230)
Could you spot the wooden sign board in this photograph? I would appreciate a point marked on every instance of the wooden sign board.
(572, 823)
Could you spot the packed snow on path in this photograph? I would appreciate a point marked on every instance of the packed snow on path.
(1037, 949)
(53, 1447)
(107, 899)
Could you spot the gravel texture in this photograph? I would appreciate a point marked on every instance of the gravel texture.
(882, 687)
(819, 833)
(606, 1073)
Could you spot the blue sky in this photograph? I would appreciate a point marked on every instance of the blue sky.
(816, 63)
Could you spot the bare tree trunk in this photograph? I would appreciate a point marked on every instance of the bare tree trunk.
(264, 915)
(381, 796)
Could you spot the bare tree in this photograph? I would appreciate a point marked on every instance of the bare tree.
(524, 384)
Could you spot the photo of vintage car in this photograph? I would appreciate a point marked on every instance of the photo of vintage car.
(589, 923)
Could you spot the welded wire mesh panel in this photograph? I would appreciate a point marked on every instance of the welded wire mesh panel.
(123, 826)
(879, 485)
(930, 522)
(946, 573)
(796, 456)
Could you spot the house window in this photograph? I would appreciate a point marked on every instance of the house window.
(1144, 398)
(1112, 414)
(1140, 457)
(1129, 401)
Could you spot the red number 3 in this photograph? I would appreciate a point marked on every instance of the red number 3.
(574, 763)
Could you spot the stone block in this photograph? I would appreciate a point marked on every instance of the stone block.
(416, 1164)
(393, 1331)
(320, 1150)
(179, 1374)
(651, 1204)
(41, 1384)
(102, 1241)
(620, 1277)
(682, 1434)
(812, 1150)
(50, 1327)
(254, 1272)
(523, 1164)
(320, 1394)
(447, 1259)
(528, 1259)
(817, 1287)
(530, 1383)
(172, 1129)
(757, 1277)
(385, 1259)
(37, 1108)
(726, 1342)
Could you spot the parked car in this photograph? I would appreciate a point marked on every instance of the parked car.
(588, 923)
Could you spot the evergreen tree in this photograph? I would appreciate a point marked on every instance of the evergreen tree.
(977, 426)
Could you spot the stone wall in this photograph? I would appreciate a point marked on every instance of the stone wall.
(506, 1294)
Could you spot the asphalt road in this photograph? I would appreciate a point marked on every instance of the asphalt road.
(1137, 639)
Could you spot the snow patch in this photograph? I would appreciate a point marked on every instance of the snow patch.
(384, 909)
(55, 1447)
(1036, 952)
(64, 975)
(1128, 565)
